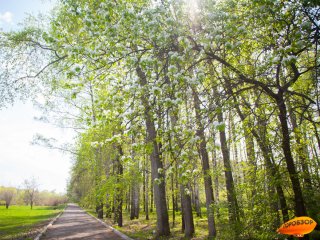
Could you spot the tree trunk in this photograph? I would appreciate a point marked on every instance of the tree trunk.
(128, 200)
(186, 206)
(146, 206)
(233, 207)
(233, 147)
(144, 190)
(272, 171)
(197, 199)
(173, 201)
(157, 172)
(132, 198)
(300, 209)
(119, 190)
(135, 191)
(216, 177)
(205, 167)
(301, 151)
(188, 224)
(316, 134)
(151, 195)
(176, 187)
(137, 202)
(252, 172)
(99, 210)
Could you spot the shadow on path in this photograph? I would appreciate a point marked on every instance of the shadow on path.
(75, 223)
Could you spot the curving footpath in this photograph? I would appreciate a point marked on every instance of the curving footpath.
(75, 223)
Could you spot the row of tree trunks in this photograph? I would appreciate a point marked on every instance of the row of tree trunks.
(300, 209)
(262, 141)
(205, 166)
(186, 205)
(97, 159)
(233, 208)
(231, 194)
(278, 97)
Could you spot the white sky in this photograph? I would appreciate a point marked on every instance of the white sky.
(19, 160)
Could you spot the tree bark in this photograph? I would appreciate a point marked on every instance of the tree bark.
(188, 224)
(147, 191)
(231, 195)
(300, 209)
(186, 206)
(135, 191)
(144, 190)
(119, 190)
(151, 195)
(301, 151)
(173, 201)
(205, 167)
(163, 228)
(252, 173)
(197, 199)
(272, 171)
(216, 177)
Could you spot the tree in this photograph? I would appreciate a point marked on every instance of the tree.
(7, 194)
(157, 88)
(31, 190)
(288, 68)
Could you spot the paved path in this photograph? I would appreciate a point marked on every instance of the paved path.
(75, 223)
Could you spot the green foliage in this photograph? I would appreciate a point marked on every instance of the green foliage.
(240, 57)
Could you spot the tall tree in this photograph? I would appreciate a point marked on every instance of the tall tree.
(205, 166)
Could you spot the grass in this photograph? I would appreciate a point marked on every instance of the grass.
(19, 221)
(144, 229)
(141, 229)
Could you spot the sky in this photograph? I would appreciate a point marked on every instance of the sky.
(19, 159)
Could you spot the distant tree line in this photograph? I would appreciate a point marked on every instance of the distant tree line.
(22, 196)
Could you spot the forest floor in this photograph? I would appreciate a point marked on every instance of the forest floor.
(20, 222)
(143, 229)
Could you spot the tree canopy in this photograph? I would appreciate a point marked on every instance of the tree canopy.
(187, 103)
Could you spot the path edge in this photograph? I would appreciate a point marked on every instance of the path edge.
(49, 225)
(125, 237)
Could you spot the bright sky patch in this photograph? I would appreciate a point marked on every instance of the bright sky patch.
(6, 17)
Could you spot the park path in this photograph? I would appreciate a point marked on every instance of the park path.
(75, 223)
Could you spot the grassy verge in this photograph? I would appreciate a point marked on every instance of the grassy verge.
(20, 222)
(144, 229)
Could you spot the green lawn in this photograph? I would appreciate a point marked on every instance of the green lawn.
(17, 221)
